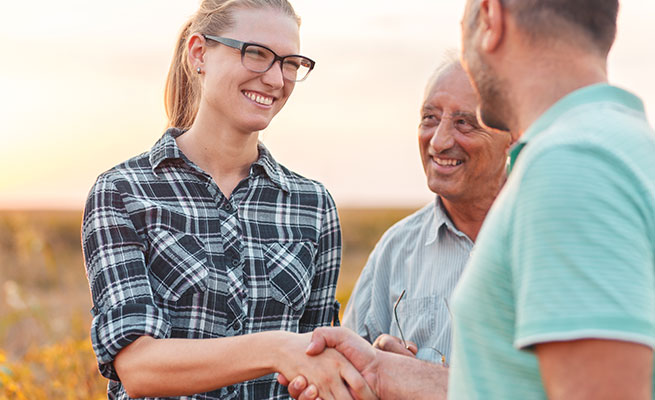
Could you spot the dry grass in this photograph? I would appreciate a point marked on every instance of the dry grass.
(45, 351)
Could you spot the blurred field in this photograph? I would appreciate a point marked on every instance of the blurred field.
(45, 352)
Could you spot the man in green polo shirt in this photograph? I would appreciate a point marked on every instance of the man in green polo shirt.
(558, 298)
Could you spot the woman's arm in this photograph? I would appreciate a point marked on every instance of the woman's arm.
(172, 367)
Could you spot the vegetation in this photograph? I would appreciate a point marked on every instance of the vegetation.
(45, 350)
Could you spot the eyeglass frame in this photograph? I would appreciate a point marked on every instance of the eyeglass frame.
(444, 362)
(242, 46)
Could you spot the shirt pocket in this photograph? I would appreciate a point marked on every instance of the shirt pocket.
(178, 265)
(426, 322)
(291, 270)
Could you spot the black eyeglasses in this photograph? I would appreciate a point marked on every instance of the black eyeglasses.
(258, 58)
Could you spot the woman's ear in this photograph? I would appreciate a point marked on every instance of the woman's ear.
(197, 45)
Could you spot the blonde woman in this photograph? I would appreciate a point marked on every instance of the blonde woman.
(206, 258)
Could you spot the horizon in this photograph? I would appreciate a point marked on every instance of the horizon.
(84, 92)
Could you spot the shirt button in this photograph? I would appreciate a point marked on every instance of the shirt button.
(237, 326)
(228, 207)
(235, 262)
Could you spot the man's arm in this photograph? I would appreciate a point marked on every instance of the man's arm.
(596, 369)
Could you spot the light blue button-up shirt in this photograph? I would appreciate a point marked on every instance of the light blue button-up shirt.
(423, 254)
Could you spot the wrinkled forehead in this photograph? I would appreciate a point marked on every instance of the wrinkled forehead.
(451, 88)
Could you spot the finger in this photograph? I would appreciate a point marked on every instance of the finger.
(357, 385)
(395, 345)
(327, 337)
(310, 393)
(341, 392)
(297, 386)
(318, 342)
(282, 380)
(413, 347)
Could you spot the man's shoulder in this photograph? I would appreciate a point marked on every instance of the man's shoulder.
(410, 227)
(600, 126)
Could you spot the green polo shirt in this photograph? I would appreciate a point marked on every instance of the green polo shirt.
(568, 249)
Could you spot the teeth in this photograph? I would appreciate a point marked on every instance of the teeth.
(447, 163)
(267, 101)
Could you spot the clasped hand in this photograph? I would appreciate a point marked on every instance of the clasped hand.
(361, 355)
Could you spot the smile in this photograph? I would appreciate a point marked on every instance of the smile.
(447, 162)
(259, 98)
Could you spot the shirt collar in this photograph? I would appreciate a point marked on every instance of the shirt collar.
(601, 92)
(166, 149)
(273, 170)
(440, 218)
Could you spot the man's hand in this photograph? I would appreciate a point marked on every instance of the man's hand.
(355, 349)
(331, 374)
(393, 344)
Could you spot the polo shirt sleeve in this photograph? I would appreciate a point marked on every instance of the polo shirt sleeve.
(123, 306)
(582, 250)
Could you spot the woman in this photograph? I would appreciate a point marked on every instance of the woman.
(207, 237)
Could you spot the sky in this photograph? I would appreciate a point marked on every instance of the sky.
(82, 81)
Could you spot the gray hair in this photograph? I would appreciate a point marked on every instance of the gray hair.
(449, 61)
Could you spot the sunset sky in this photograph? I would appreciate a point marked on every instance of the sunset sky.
(81, 89)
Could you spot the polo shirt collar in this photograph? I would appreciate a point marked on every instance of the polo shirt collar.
(600, 92)
(166, 149)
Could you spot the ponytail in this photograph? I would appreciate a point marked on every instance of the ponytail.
(182, 92)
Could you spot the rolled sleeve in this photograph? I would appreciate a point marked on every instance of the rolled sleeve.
(123, 303)
(113, 330)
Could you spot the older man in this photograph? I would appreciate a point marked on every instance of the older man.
(558, 300)
(422, 257)
(424, 254)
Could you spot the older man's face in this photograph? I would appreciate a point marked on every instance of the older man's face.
(492, 108)
(461, 160)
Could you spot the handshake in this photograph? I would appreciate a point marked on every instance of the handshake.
(339, 364)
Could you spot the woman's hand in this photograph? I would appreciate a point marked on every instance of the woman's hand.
(329, 372)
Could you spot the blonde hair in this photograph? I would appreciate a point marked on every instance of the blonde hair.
(182, 93)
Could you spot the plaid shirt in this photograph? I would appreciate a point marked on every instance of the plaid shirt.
(169, 256)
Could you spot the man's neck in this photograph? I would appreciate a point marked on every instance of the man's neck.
(535, 89)
(468, 216)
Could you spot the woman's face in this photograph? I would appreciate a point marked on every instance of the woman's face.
(247, 101)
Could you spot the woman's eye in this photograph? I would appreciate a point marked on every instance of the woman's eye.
(291, 65)
(255, 52)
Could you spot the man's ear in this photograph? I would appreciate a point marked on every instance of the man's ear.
(196, 50)
(492, 24)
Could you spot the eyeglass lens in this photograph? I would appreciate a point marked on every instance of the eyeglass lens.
(260, 59)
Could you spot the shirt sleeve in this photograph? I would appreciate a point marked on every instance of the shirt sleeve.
(322, 304)
(123, 306)
(582, 251)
